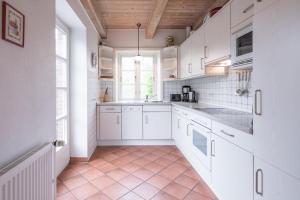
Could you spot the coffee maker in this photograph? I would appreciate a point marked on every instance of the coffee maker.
(185, 92)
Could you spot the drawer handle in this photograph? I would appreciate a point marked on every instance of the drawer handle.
(212, 148)
(258, 102)
(248, 8)
(109, 109)
(261, 192)
(118, 119)
(228, 134)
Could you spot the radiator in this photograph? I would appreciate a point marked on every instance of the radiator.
(31, 177)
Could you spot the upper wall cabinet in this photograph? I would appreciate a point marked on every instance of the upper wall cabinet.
(185, 58)
(217, 36)
(241, 10)
(197, 54)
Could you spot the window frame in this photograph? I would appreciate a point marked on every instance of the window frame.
(62, 27)
(132, 53)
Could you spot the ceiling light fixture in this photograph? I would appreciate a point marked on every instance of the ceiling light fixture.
(138, 57)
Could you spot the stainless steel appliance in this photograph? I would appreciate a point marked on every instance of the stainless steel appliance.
(185, 92)
(242, 46)
(192, 97)
(175, 97)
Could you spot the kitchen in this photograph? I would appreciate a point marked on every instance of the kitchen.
(176, 100)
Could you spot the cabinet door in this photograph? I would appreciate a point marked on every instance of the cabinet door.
(185, 59)
(241, 10)
(132, 125)
(273, 184)
(276, 82)
(232, 170)
(157, 125)
(110, 126)
(217, 36)
(260, 5)
(197, 52)
(175, 126)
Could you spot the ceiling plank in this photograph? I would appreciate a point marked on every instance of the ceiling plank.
(157, 13)
(214, 4)
(94, 16)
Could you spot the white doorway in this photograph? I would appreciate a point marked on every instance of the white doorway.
(62, 37)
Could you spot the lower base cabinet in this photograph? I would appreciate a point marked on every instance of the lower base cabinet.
(157, 125)
(273, 184)
(232, 170)
(110, 126)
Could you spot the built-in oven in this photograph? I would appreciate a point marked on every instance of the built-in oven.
(201, 143)
(242, 45)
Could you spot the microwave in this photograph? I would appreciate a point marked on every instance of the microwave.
(242, 46)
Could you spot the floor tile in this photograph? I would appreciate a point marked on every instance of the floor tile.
(154, 167)
(143, 174)
(117, 174)
(192, 173)
(67, 196)
(131, 167)
(163, 196)
(115, 191)
(170, 157)
(186, 181)
(68, 173)
(103, 182)
(97, 162)
(196, 196)
(74, 182)
(81, 168)
(204, 190)
(61, 189)
(131, 182)
(84, 191)
(106, 167)
(142, 161)
(158, 181)
(98, 196)
(163, 161)
(176, 190)
(131, 196)
(92, 174)
(146, 191)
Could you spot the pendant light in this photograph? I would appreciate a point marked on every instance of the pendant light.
(138, 57)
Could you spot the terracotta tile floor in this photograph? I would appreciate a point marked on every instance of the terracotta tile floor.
(133, 173)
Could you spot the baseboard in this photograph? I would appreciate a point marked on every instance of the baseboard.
(134, 142)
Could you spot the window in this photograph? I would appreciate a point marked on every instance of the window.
(62, 83)
(137, 79)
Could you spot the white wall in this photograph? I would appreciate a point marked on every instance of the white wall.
(127, 38)
(85, 86)
(27, 83)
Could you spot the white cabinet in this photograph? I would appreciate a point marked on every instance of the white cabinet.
(197, 53)
(232, 170)
(260, 5)
(217, 36)
(276, 82)
(241, 10)
(157, 125)
(132, 122)
(273, 184)
(185, 59)
(110, 126)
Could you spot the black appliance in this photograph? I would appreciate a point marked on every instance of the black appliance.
(192, 97)
(185, 92)
(175, 97)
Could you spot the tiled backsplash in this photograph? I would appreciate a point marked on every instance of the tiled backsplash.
(218, 90)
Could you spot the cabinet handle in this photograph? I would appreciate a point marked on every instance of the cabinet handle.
(228, 134)
(201, 63)
(259, 1)
(261, 191)
(212, 148)
(146, 119)
(118, 119)
(257, 111)
(205, 52)
(178, 123)
(248, 8)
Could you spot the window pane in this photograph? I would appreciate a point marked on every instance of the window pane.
(146, 77)
(61, 130)
(61, 73)
(128, 63)
(128, 92)
(146, 90)
(61, 43)
(147, 63)
(61, 102)
(128, 77)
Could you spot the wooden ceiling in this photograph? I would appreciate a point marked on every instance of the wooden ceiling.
(152, 14)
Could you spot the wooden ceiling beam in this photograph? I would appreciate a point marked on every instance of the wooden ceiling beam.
(157, 13)
(215, 3)
(94, 16)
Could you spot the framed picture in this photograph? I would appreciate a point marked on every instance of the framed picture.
(13, 25)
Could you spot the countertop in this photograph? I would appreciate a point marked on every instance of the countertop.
(237, 119)
(133, 103)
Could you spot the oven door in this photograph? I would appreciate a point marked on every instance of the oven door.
(201, 143)
(242, 46)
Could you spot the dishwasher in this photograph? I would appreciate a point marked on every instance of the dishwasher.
(132, 122)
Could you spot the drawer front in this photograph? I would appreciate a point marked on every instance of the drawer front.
(243, 140)
(176, 110)
(201, 120)
(110, 109)
(158, 108)
(132, 108)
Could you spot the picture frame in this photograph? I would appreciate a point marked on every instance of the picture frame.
(13, 25)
